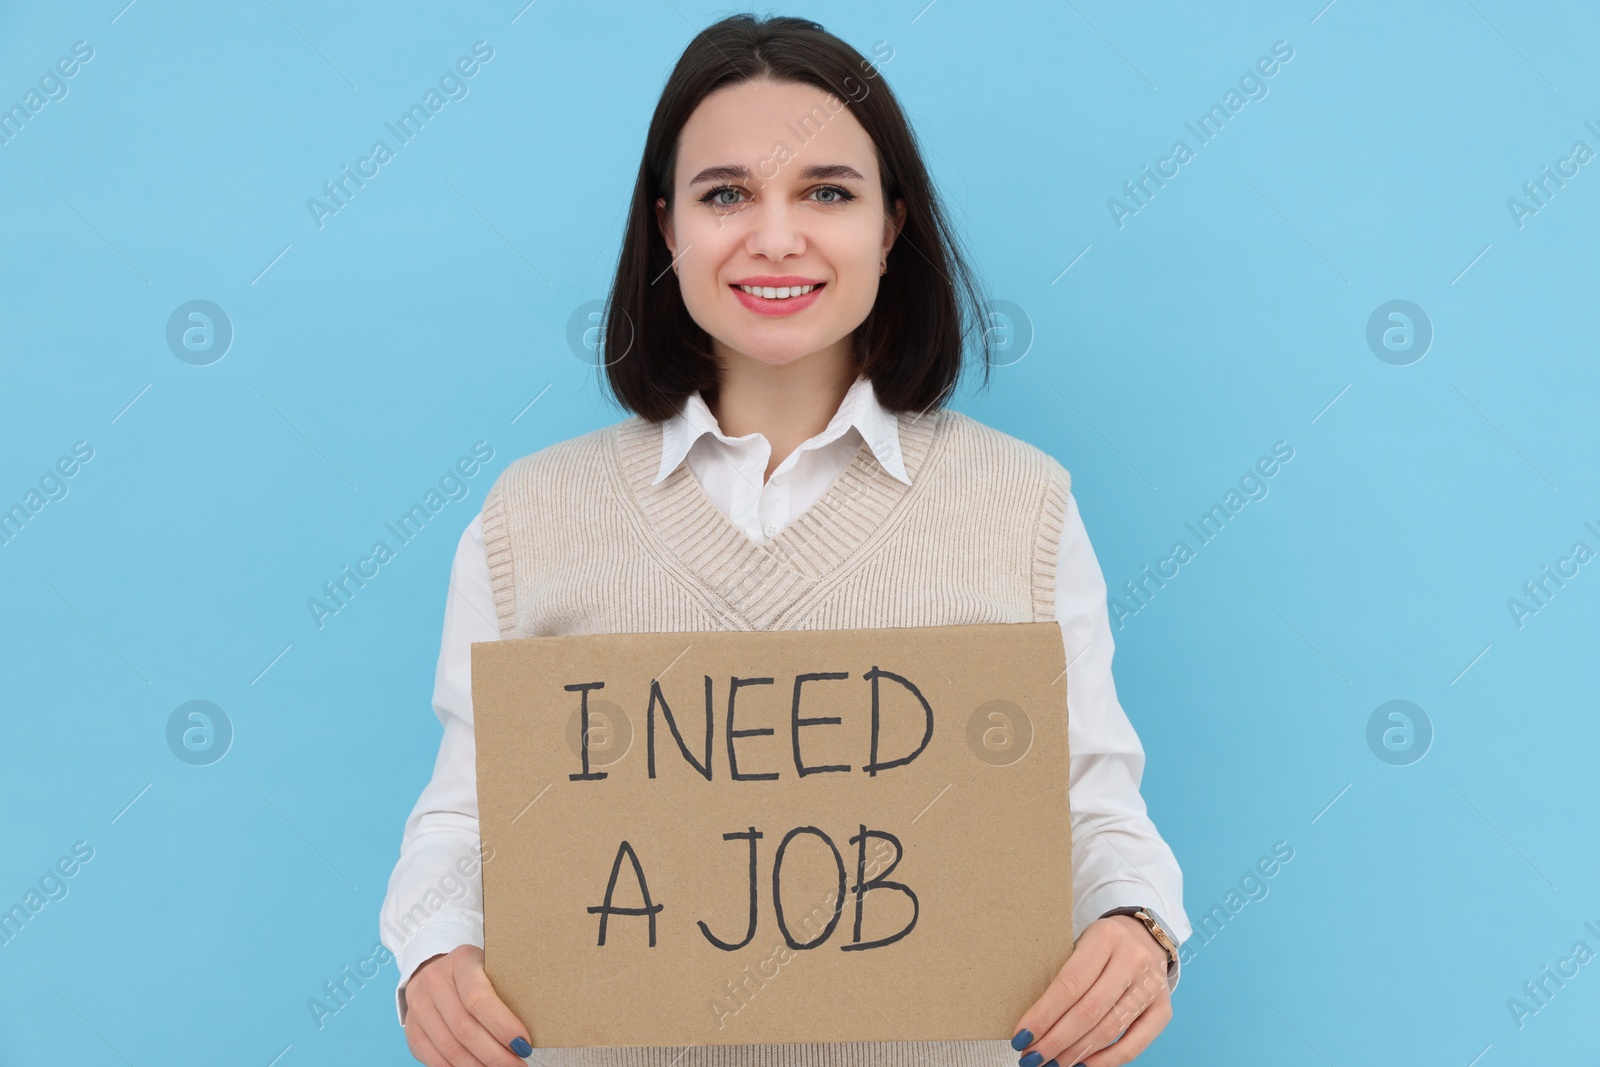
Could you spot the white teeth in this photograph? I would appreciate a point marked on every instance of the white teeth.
(780, 293)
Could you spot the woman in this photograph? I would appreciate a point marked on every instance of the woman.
(786, 325)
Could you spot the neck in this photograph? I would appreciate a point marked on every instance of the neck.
(787, 404)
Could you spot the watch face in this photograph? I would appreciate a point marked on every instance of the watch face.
(1172, 952)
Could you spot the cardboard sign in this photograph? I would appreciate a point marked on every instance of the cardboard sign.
(783, 836)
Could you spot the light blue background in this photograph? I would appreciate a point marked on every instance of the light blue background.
(1228, 314)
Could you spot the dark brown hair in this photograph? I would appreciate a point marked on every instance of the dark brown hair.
(910, 345)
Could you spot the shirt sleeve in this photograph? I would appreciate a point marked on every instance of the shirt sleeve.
(434, 901)
(1118, 857)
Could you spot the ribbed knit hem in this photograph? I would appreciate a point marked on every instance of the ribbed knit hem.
(1047, 544)
(995, 1053)
(497, 550)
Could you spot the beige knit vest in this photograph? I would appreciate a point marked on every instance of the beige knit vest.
(578, 541)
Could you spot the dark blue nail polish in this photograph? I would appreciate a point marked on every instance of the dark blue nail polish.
(1023, 1039)
(520, 1046)
(1032, 1059)
(1053, 1063)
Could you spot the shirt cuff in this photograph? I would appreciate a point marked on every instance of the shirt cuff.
(443, 933)
(1137, 895)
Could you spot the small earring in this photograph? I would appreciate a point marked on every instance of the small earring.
(883, 268)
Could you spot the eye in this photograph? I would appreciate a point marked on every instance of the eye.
(843, 196)
(826, 194)
(711, 197)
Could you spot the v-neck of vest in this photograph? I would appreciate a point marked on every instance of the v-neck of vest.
(758, 580)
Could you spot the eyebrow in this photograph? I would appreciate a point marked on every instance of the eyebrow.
(740, 172)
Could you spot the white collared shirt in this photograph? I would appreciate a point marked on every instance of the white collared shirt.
(1118, 856)
(731, 468)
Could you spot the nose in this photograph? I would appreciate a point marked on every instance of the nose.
(775, 230)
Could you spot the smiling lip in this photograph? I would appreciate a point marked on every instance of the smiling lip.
(776, 308)
(775, 281)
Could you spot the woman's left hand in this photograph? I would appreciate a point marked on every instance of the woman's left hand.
(1115, 982)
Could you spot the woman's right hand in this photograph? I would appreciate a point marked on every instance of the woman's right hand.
(454, 1018)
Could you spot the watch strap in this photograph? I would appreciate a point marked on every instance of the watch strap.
(1158, 930)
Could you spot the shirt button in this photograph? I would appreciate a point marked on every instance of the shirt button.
(772, 529)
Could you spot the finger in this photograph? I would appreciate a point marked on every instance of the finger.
(479, 997)
(1145, 988)
(1136, 1002)
(1091, 1023)
(1136, 1038)
(1076, 976)
(438, 1030)
(471, 1033)
(425, 1051)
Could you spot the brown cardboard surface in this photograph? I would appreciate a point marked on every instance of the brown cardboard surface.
(975, 824)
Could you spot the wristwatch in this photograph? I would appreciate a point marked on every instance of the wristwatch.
(1158, 930)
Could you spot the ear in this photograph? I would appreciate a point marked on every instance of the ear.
(664, 222)
(891, 229)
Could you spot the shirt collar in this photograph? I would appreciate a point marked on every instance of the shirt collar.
(859, 409)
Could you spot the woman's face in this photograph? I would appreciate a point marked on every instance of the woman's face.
(775, 189)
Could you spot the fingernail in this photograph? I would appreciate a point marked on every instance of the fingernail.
(520, 1046)
(1032, 1059)
(1023, 1039)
